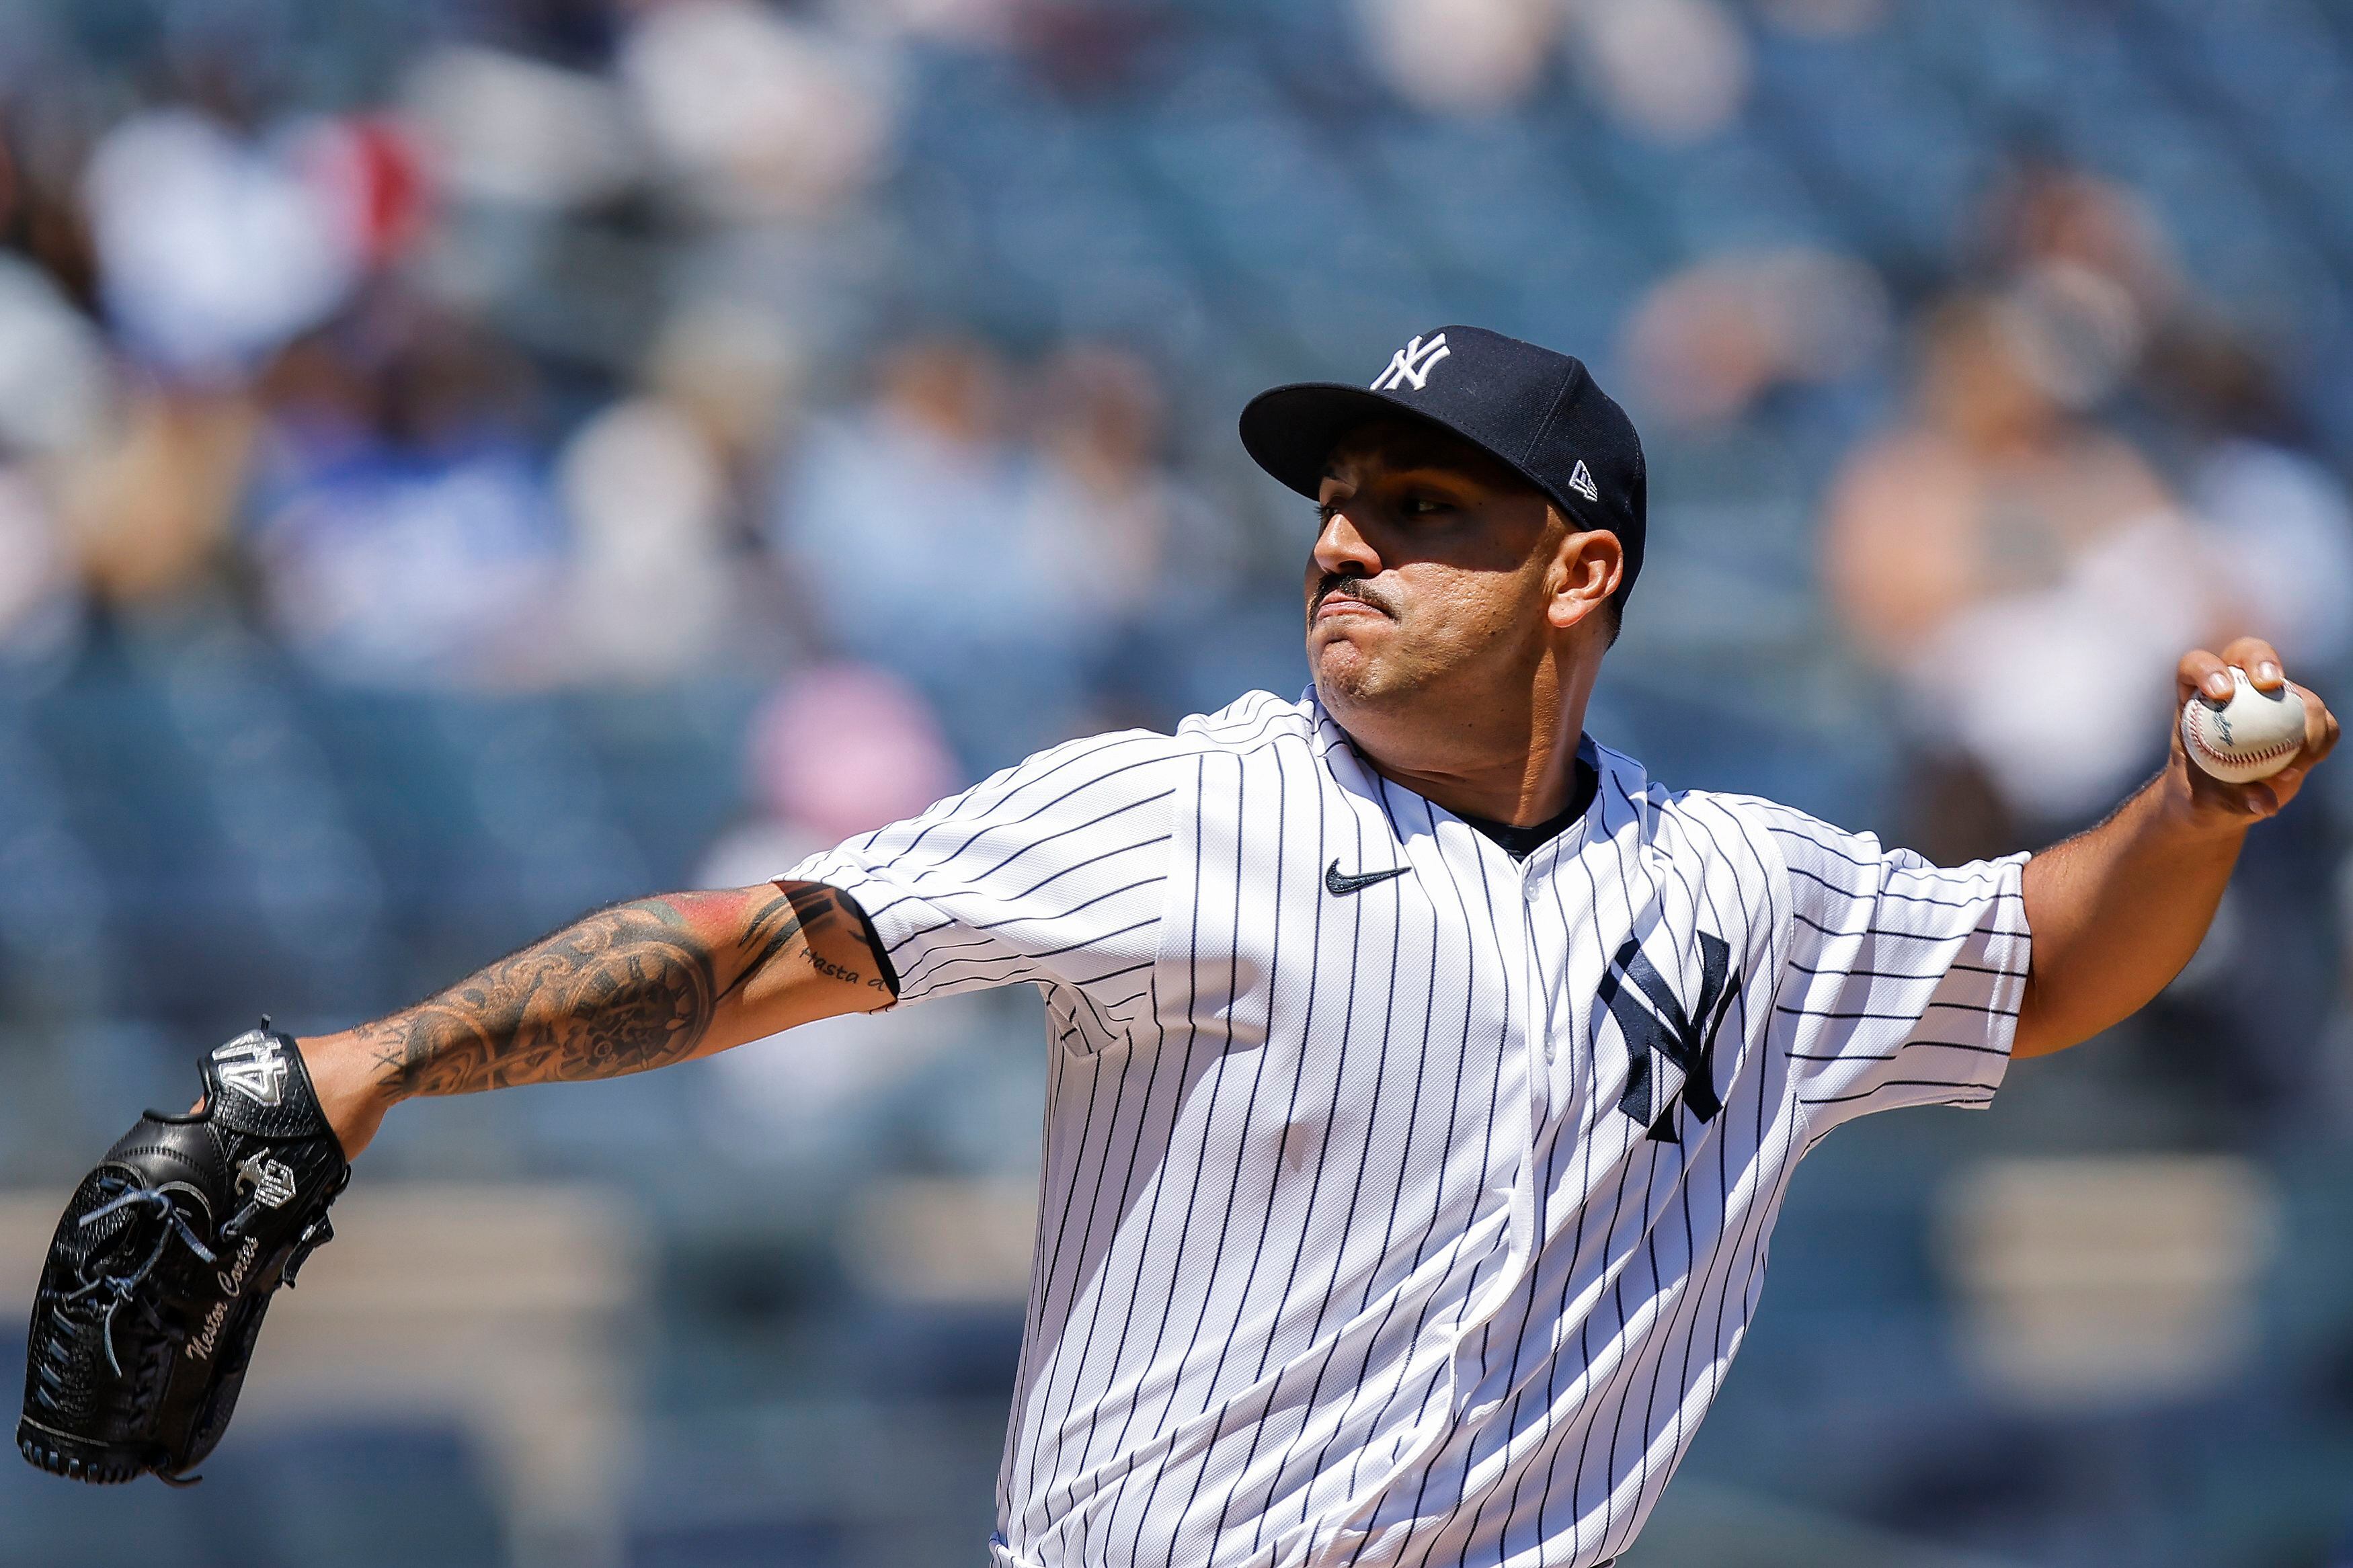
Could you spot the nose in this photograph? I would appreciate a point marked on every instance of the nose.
(1342, 551)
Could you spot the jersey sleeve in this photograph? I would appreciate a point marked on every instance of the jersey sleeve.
(1901, 980)
(1051, 872)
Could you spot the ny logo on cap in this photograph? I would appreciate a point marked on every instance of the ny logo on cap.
(1412, 363)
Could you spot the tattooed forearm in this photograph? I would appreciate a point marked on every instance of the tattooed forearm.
(628, 988)
(840, 971)
(792, 916)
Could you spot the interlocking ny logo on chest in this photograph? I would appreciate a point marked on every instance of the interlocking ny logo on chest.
(1670, 1053)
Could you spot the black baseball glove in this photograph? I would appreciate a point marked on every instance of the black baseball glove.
(164, 1262)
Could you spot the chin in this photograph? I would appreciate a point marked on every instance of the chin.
(1345, 676)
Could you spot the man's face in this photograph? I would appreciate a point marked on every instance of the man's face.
(1431, 570)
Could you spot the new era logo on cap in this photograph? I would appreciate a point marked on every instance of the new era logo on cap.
(1536, 411)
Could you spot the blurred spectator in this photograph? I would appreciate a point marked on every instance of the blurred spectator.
(2025, 576)
(899, 512)
(736, 370)
(651, 595)
(1671, 71)
(55, 388)
(213, 249)
(659, 490)
(903, 519)
(1462, 57)
(505, 131)
(2091, 263)
(2048, 217)
(1706, 342)
(370, 169)
(836, 751)
(1011, 578)
(55, 381)
(1116, 541)
(765, 115)
(404, 532)
(2278, 521)
(150, 503)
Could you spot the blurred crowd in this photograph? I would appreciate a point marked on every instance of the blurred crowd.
(2028, 569)
(273, 363)
(863, 372)
(594, 346)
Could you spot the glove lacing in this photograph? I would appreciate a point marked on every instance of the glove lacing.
(120, 1288)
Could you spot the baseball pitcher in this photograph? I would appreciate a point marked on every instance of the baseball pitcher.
(1426, 1077)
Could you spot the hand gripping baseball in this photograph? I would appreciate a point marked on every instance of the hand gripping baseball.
(2208, 679)
(164, 1263)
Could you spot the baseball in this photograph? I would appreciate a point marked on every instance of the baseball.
(2251, 736)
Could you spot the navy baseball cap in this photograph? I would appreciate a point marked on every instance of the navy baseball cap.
(1536, 411)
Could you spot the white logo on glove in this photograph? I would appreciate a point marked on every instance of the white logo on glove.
(252, 1065)
(272, 1181)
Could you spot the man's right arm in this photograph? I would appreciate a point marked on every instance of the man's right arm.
(637, 985)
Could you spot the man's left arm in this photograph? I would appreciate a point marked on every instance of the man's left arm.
(2117, 910)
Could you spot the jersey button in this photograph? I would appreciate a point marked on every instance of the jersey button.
(1529, 888)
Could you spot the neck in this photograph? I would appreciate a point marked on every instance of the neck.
(1517, 798)
(1520, 774)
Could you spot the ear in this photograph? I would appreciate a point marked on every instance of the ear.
(1587, 569)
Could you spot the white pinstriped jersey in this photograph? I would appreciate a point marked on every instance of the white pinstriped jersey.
(1412, 1221)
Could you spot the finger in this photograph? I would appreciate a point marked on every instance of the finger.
(2202, 673)
(2259, 659)
(2320, 727)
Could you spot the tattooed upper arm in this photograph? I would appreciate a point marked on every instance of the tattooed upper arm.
(637, 985)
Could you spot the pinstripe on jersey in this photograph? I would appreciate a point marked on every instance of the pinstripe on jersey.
(1357, 1243)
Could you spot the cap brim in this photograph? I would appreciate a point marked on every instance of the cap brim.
(1290, 431)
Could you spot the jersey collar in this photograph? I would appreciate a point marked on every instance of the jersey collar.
(1624, 793)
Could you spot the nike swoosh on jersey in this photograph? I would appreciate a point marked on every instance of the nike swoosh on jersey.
(1340, 884)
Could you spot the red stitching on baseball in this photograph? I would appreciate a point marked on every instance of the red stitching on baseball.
(2279, 749)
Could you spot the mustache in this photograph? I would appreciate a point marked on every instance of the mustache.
(1332, 585)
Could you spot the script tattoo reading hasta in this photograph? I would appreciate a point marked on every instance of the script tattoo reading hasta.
(620, 991)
